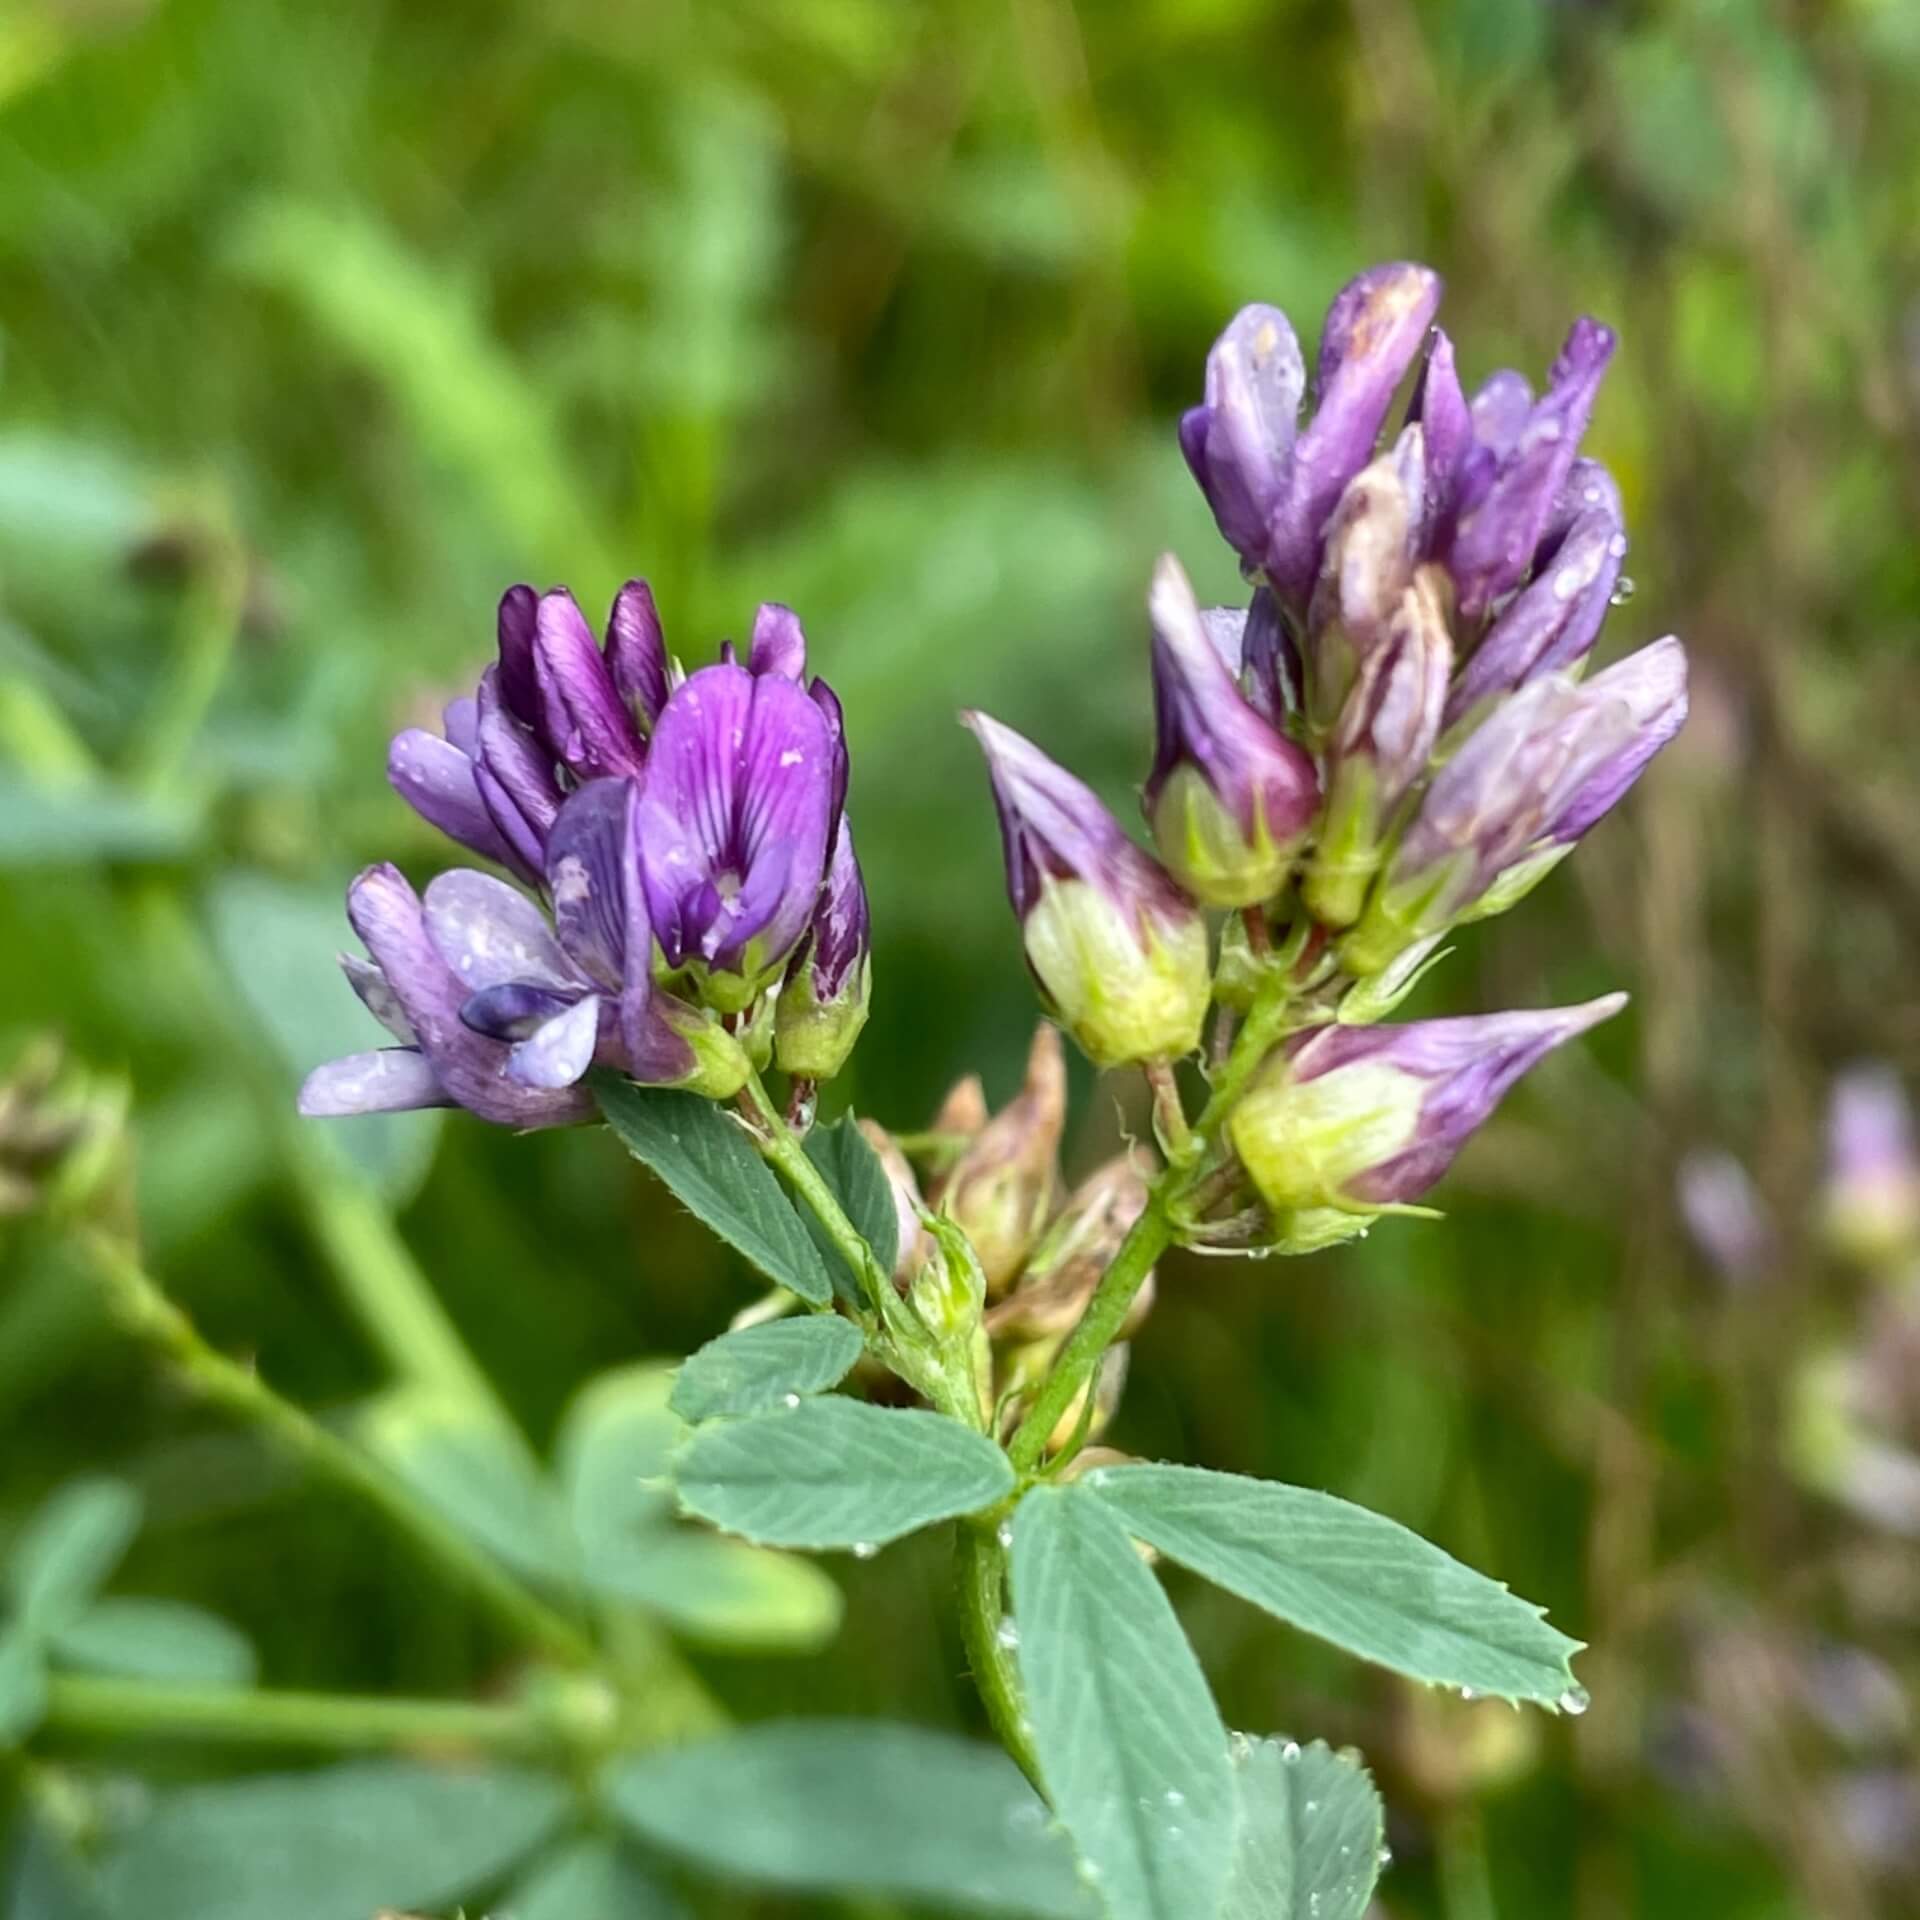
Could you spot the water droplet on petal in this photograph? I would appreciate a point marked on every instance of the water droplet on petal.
(1576, 1700)
(1622, 591)
(1566, 583)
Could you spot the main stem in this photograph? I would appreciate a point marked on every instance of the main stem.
(140, 1306)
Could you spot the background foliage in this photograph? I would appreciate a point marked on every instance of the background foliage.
(319, 325)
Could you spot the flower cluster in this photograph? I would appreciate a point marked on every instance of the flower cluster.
(693, 903)
(1393, 737)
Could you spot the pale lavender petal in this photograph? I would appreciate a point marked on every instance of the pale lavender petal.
(376, 996)
(1374, 329)
(436, 780)
(779, 645)
(636, 652)
(391, 1080)
(460, 722)
(1237, 443)
(487, 933)
(388, 916)
(1500, 410)
(1651, 685)
(587, 865)
(1724, 1214)
(558, 1053)
(582, 720)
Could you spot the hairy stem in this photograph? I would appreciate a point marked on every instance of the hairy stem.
(140, 1306)
(980, 1562)
(324, 1722)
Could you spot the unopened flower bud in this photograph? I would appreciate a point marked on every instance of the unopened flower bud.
(1229, 799)
(1060, 1277)
(1357, 1119)
(949, 1294)
(1379, 749)
(1119, 952)
(1368, 565)
(915, 1246)
(1237, 443)
(1003, 1188)
(1871, 1206)
(823, 1005)
(1524, 785)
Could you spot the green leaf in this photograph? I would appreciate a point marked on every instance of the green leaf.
(77, 826)
(23, 1686)
(837, 1473)
(760, 1367)
(461, 1463)
(1133, 1751)
(710, 1167)
(591, 1880)
(68, 1549)
(1310, 1833)
(336, 1844)
(852, 1169)
(1355, 1578)
(836, 1805)
(613, 1460)
(163, 1640)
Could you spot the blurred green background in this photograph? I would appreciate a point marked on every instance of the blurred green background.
(319, 325)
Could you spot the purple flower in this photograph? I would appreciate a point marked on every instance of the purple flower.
(1522, 787)
(1356, 1119)
(1118, 951)
(1270, 483)
(823, 1004)
(581, 718)
(1256, 648)
(1503, 486)
(507, 1012)
(439, 779)
(1724, 1214)
(1229, 798)
(1552, 623)
(737, 817)
(1872, 1198)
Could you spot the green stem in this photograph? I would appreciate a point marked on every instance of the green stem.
(980, 1562)
(137, 1302)
(1099, 1325)
(326, 1722)
(1266, 1025)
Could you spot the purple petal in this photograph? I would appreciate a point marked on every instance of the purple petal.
(582, 720)
(779, 646)
(589, 863)
(1392, 717)
(387, 915)
(1651, 685)
(824, 697)
(1270, 662)
(1373, 331)
(1238, 443)
(558, 1053)
(1500, 410)
(376, 996)
(737, 807)
(1441, 409)
(436, 780)
(460, 722)
(392, 1080)
(487, 933)
(1496, 535)
(1258, 776)
(515, 776)
(842, 930)
(519, 684)
(636, 652)
(1053, 823)
(516, 1008)
(1551, 624)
